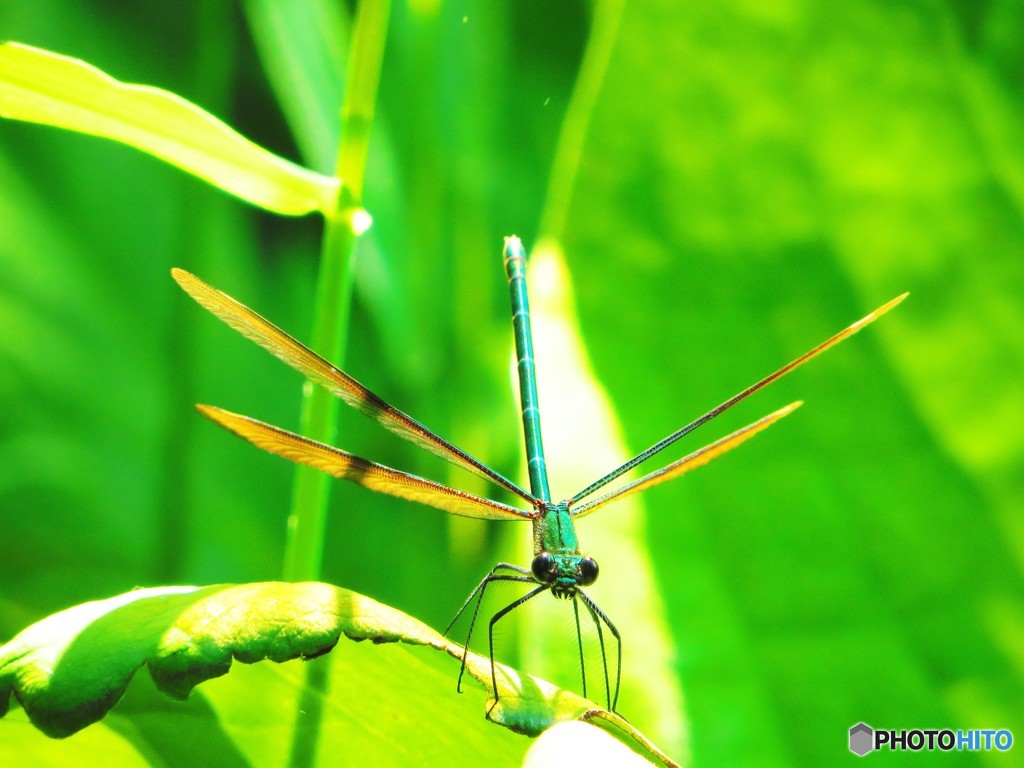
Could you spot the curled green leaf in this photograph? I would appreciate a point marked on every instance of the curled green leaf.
(44, 87)
(68, 670)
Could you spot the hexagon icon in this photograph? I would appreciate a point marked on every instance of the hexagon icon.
(862, 739)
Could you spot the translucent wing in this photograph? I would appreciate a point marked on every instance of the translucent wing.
(257, 328)
(662, 444)
(366, 473)
(696, 459)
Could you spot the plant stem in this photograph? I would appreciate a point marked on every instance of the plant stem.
(342, 228)
(566, 163)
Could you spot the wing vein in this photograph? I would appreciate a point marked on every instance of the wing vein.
(286, 348)
(364, 472)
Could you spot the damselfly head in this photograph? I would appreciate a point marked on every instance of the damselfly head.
(565, 573)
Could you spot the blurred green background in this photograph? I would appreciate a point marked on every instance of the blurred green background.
(754, 176)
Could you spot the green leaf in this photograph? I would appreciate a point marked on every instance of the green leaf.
(70, 669)
(43, 87)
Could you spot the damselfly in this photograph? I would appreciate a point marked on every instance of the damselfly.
(559, 565)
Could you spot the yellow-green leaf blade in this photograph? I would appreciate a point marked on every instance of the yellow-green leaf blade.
(68, 670)
(44, 87)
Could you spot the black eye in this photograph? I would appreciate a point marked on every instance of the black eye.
(543, 568)
(588, 571)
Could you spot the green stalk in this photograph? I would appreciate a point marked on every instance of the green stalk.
(342, 228)
(566, 163)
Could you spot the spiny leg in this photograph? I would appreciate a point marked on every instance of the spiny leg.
(519, 574)
(472, 622)
(579, 644)
(490, 634)
(594, 610)
(604, 654)
(518, 569)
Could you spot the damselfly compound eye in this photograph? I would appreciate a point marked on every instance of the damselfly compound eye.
(543, 568)
(588, 571)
